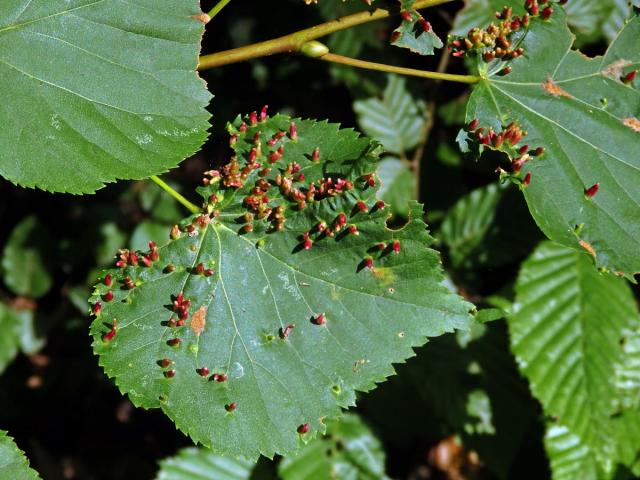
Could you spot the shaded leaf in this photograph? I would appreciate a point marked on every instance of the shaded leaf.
(202, 464)
(136, 110)
(465, 385)
(568, 328)
(13, 464)
(25, 259)
(398, 185)
(10, 339)
(261, 281)
(415, 33)
(349, 450)
(581, 112)
(488, 227)
(396, 120)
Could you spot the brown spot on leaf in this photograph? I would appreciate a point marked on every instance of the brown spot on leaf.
(633, 123)
(552, 87)
(199, 320)
(587, 246)
(203, 17)
(614, 70)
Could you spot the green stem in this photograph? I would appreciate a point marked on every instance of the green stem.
(219, 6)
(190, 206)
(293, 41)
(381, 67)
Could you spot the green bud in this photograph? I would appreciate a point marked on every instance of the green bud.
(314, 49)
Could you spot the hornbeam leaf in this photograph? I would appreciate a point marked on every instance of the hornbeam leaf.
(202, 464)
(13, 463)
(580, 110)
(415, 33)
(108, 90)
(569, 330)
(396, 120)
(349, 450)
(289, 303)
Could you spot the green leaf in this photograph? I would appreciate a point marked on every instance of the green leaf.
(397, 185)
(415, 33)
(136, 107)
(13, 464)
(202, 464)
(568, 456)
(25, 259)
(349, 450)
(396, 120)
(262, 281)
(586, 118)
(568, 331)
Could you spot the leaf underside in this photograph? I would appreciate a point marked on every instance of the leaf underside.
(13, 464)
(255, 317)
(571, 331)
(588, 120)
(131, 106)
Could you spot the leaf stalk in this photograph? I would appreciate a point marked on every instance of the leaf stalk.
(177, 196)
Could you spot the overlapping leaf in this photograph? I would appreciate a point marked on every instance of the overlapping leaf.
(587, 119)
(415, 33)
(348, 450)
(131, 105)
(568, 331)
(13, 464)
(296, 296)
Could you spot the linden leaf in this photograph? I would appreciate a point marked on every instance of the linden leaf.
(583, 191)
(133, 107)
(415, 33)
(569, 331)
(13, 463)
(285, 297)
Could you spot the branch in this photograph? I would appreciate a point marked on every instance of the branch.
(293, 41)
(381, 67)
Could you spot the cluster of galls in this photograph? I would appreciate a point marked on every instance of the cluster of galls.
(497, 41)
(410, 17)
(288, 181)
(169, 372)
(507, 141)
(180, 306)
(126, 257)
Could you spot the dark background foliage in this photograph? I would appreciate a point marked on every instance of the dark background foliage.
(73, 422)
